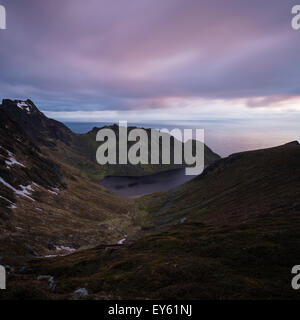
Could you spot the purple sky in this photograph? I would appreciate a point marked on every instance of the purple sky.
(193, 58)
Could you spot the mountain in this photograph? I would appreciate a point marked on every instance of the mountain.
(231, 233)
(49, 191)
(34, 123)
(87, 144)
(77, 150)
(46, 204)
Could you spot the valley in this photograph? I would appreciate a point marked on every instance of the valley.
(231, 233)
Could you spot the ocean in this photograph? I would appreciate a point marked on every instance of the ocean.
(224, 137)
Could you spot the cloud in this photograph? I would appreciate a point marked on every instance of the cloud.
(142, 54)
(273, 101)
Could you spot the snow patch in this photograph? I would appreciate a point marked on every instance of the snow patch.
(82, 291)
(5, 199)
(60, 248)
(11, 161)
(122, 240)
(12, 205)
(24, 192)
(24, 106)
(54, 192)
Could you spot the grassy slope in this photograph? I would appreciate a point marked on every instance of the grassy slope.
(81, 214)
(240, 239)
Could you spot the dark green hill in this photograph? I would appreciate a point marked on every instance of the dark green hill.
(77, 150)
(231, 233)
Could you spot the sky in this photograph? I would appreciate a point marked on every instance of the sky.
(103, 60)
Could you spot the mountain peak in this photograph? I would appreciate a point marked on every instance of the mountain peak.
(34, 123)
(293, 143)
(26, 106)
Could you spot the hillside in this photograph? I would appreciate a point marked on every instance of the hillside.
(44, 204)
(50, 197)
(231, 233)
(77, 151)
